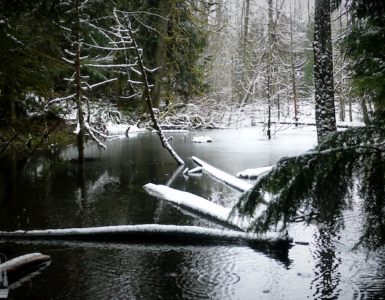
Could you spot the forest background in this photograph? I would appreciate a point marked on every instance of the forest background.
(208, 58)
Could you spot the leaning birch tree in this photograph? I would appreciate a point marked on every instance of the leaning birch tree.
(126, 34)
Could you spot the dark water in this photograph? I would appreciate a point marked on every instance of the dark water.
(107, 190)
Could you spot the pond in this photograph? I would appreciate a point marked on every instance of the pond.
(107, 189)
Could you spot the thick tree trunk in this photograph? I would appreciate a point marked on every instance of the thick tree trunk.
(323, 70)
(160, 52)
(269, 65)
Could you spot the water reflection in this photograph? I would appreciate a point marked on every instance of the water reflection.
(327, 275)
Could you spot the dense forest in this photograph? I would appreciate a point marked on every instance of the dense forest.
(214, 55)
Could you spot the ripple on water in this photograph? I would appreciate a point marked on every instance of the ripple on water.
(224, 273)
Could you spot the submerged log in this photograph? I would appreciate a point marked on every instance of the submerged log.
(156, 233)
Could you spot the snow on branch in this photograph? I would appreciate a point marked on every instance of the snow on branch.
(99, 83)
(68, 61)
(87, 126)
(112, 66)
(108, 48)
(151, 70)
(59, 99)
(102, 134)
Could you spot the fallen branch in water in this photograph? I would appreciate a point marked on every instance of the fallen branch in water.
(19, 266)
(193, 203)
(232, 181)
(155, 232)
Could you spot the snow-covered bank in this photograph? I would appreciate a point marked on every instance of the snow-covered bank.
(155, 232)
(253, 173)
(223, 176)
(195, 204)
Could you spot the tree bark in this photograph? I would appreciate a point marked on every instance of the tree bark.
(323, 70)
(160, 52)
(269, 64)
(9, 93)
(80, 137)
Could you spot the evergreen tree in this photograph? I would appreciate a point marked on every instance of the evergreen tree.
(29, 53)
(364, 44)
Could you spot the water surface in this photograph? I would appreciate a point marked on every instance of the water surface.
(107, 189)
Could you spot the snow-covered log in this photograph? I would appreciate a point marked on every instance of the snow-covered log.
(253, 173)
(155, 232)
(223, 176)
(193, 203)
(19, 266)
(195, 171)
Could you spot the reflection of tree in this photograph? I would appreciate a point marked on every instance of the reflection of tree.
(327, 276)
(318, 185)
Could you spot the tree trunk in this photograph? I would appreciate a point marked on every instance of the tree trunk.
(293, 67)
(269, 66)
(323, 70)
(80, 137)
(160, 52)
(9, 92)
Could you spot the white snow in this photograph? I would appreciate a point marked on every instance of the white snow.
(202, 139)
(223, 176)
(152, 228)
(116, 129)
(253, 173)
(192, 202)
(77, 130)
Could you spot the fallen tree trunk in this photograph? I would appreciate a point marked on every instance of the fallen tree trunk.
(157, 233)
(232, 181)
(198, 205)
(20, 266)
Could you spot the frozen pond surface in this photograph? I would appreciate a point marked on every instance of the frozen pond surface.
(108, 190)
